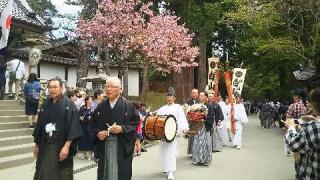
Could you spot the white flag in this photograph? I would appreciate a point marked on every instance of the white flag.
(5, 23)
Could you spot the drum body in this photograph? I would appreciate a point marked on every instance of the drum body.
(160, 128)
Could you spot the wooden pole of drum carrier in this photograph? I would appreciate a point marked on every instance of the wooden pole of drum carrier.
(228, 80)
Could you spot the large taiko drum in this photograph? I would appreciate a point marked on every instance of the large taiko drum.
(160, 128)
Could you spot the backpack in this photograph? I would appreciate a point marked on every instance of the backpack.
(13, 74)
(33, 98)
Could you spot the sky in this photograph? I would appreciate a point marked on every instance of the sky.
(68, 10)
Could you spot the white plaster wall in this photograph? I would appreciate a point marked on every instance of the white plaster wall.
(133, 83)
(72, 76)
(92, 71)
(50, 70)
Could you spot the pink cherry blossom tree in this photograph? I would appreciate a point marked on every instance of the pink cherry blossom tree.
(131, 30)
(166, 46)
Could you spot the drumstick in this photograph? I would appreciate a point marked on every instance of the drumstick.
(109, 127)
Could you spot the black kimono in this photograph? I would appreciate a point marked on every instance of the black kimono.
(191, 102)
(124, 114)
(218, 114)
(65, 116)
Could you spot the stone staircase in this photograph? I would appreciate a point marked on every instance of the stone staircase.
(16, 142)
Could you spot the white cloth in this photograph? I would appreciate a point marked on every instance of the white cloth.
(79, 103)
(112, 104)
(241, 117)
(238, 135)
(169, 151)
(13, 64)
(240, 113)
(222, 129)
(6, 12)
(227, 116)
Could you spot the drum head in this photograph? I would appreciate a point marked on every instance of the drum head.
(170, 129)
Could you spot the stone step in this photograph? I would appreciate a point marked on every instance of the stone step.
(15, 132)
(12, 112)
(18, 160)
(15, 140)
(8, 119)
(12, 107)
(9, 102)
(14, 125)
(16, 150)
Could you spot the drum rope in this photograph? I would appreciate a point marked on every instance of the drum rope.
(154, 128)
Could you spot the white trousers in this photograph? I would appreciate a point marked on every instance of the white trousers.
(224, 133)
(168, 156)
(238, 134)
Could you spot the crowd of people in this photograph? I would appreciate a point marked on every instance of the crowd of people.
(303, 135)
(107, 128)
(214, 133)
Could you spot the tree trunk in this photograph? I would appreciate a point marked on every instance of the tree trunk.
(125, 82)
(106, 55)
(82, 67)
(202, 68)
(286, 81)
(183, 90)
(145, 83)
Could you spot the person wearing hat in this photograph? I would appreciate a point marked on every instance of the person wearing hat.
(168, 151)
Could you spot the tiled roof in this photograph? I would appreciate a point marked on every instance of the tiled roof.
(23, 13)
(23, 53)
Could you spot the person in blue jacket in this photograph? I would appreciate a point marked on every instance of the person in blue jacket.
(32, 93)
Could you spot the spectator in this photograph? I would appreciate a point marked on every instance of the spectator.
(98, 98)
(297, 108)
(16, 75)
(72, 96)
(80, 101)
(305, 141)
(266, 114)
(32, 91)
(138, 146)
(86, 141)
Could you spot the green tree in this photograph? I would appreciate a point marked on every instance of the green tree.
(202, 18)
(89, 7)
(274, 38)
(42, 7)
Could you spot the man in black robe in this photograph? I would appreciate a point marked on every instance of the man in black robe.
(217, 118)
(55, 135)
(194, 100)
(114, 124)
(194, 97)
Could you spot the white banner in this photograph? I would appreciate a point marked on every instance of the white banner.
(238, 81)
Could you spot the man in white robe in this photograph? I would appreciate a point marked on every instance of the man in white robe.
(168, 151)
(222, 129)
(241, 118)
